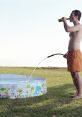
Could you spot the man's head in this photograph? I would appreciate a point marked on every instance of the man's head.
(75, 15)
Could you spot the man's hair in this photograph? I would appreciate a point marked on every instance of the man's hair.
(77, 13)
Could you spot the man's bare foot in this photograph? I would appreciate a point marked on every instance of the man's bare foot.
(77, 97)
(76, 94)
(54, 116)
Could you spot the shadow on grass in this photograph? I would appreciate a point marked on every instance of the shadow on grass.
(42, 106)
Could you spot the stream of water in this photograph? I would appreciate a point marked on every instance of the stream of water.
(40, 63)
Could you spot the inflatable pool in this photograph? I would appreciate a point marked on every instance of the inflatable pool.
(20, 86)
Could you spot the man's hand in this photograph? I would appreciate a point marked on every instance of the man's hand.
(64, 19)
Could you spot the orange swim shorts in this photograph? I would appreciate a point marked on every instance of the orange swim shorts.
(74, 61)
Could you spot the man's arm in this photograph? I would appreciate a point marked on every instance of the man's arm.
(66, 27)
(70, 28)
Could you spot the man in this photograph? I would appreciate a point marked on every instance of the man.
(74, 56)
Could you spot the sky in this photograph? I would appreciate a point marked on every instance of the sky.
(30, 31)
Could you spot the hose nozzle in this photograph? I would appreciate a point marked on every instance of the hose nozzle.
(54, 55)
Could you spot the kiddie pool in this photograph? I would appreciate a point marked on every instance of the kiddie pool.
(21, 86)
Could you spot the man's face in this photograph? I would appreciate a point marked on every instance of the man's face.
(72, 17)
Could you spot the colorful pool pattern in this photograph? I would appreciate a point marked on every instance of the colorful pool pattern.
(20, 86)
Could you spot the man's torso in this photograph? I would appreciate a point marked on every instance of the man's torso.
(75, 39)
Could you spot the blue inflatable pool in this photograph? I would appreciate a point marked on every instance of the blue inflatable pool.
(21, 86)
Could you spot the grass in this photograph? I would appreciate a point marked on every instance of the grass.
(56, 101)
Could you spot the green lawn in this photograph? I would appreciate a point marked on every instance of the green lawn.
(56, 101)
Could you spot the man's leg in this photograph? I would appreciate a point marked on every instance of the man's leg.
(77, 82)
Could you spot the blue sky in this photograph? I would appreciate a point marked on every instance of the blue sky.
(30, 31)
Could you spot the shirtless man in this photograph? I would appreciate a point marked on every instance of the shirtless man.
(74, 56)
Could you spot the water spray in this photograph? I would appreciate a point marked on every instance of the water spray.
(43, 60)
